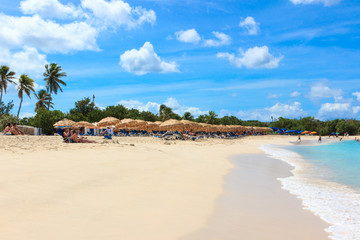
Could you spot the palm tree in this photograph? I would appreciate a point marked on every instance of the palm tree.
(211, 118)
(165, 112)
(44, 100)
(5, 76)
(188, 116)
(52, 76)
(26, 85)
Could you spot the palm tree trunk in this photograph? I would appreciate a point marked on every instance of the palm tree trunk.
(19, 108)
(49, 104)
(1, 96)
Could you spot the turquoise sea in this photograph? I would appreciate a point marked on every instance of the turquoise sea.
(326, 176)
(337, 162)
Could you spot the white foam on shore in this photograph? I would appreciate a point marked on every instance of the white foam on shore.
(337, 204)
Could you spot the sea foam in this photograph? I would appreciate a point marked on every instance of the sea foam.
(337, 204)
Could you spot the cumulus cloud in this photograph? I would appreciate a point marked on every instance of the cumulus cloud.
(221, 39)
(188, 36)
(256, 57)
(50, 9)
(320, 90)
(293, 110)
(335, 110)
(145, 60)
(117, 13)
(46, 35)
(324, 2)
(29, 61)
(154, 107)
(295, 94)
(250, 25)
(357, 95)
(273, 95)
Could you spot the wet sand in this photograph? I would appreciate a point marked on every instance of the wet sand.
(255, 206)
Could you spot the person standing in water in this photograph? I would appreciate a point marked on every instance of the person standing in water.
(299, 139)
(319, 139)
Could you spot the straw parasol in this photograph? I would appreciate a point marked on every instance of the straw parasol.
(153, 126)
(109, 121)
(65, 123)
(125, 123)
(189, 125)
(172, 125)
(85, 124)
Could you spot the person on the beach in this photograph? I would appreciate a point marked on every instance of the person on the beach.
(9, 130)
(18, 131)
(319, 139)
(299, 139)
(79, 139)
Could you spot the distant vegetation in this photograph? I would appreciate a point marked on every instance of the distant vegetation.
(85, 109)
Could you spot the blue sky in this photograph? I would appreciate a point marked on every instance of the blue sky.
(252, 59)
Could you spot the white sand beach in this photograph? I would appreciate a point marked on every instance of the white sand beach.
(141, 188)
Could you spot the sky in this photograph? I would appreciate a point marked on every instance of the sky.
(252, 59)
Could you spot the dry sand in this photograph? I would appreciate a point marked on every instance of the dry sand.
(127, 188)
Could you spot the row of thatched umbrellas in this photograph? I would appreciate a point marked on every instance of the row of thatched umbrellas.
(169, 125)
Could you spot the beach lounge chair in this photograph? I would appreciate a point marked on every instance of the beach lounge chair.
(61, 131)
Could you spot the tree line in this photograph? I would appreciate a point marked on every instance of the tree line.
(86, 110)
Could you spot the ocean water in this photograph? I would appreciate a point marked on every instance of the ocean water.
(338, 162)
(327, 179)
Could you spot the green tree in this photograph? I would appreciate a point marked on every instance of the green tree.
(44, 100)
(52, 74)
(26, 85)
(6, 108)
(188, 116)
(165, 113)
(45, 120)
(83, 107)
(6, 76)
(211, 117)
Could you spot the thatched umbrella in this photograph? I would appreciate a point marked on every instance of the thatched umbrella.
(109, 121)
(189, 125)
(85, 124)
(125, 123)
(153, 126)
(65, 123)
(172, 125)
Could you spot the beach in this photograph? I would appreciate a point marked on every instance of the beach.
(148, 188)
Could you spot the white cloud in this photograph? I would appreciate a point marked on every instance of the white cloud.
(188, 36)
(295, 94)
(335, 110)
(256, 57)
(250, 25)
(26, 114)
(273, 95)
(320, 90)
(221, 39)
(46, 35)
(325, 2)
(29, 61)
(117, 13)
(293, 110)
(145, 60)
(357, 95)
(50, 9)
(149, 106)
(356, 109)
(154, 107)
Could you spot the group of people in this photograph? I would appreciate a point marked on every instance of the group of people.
(74, 136)
(13, 129)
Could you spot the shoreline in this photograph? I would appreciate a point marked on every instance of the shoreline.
(335, 203)
(133, 188)
(255, 206)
